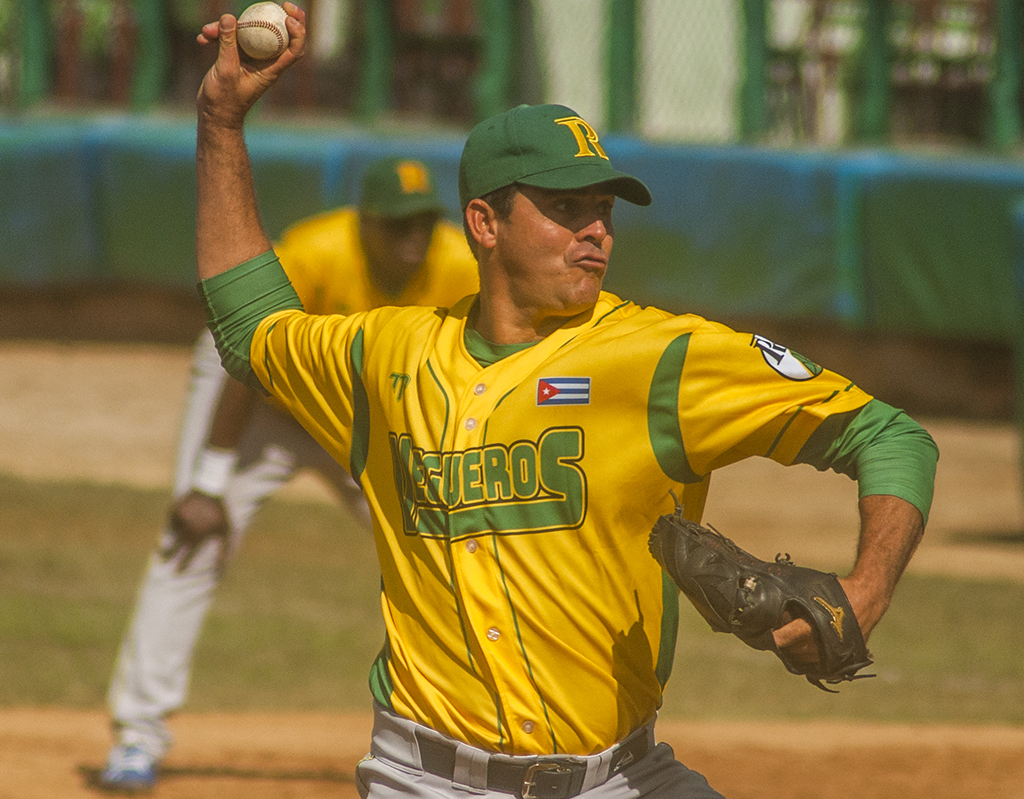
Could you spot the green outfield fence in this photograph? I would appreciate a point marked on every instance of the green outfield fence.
(857, 162)
(825, 72)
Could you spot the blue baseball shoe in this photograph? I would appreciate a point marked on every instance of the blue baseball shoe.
(129, 770)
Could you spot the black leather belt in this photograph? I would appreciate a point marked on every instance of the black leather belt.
(536, 778)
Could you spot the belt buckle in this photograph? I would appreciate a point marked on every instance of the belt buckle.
(532, 784)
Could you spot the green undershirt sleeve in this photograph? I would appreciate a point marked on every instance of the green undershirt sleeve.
(881, 448)
(236, 301)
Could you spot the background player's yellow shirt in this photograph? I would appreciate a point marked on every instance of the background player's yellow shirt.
(512, 503)
(325, 263)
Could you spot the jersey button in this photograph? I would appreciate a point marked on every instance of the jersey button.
(493, 634)
(471, 546)
(471, 423)
(479, 389)
(527, 726)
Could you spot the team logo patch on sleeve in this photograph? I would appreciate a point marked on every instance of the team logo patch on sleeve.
(783, 360)
(563, 391)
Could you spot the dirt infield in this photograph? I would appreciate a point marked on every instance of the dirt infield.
(109, 414)
(54, 754)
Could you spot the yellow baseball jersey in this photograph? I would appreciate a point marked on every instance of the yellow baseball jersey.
(325, 263)
(512, 503)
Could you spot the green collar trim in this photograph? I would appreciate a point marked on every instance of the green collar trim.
(487, 353)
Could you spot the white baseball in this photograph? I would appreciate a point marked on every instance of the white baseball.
(261, 31)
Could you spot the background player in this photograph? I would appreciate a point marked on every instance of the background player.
(235, 450)
(514, 480)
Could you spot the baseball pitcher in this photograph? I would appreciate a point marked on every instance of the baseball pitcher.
(516, 450)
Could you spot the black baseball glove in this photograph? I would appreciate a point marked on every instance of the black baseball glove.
(740, 594)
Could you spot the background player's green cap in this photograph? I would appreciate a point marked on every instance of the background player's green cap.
(398, 187)
(548, 146)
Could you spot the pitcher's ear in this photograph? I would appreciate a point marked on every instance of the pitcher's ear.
(481, 223)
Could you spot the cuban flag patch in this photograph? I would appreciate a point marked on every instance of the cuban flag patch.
(563, 391)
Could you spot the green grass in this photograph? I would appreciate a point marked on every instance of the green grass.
(296, 623)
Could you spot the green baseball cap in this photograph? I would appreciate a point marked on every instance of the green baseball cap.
(398, 187)
(547, 146)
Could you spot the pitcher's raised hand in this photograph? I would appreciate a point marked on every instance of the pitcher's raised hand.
(234, 83)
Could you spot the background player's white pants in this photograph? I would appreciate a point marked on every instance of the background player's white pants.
(152, 673)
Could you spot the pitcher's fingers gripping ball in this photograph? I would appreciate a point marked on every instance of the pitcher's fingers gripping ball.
(262, 33)
(740, 594)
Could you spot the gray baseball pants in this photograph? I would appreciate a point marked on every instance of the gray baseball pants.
(395, 768)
